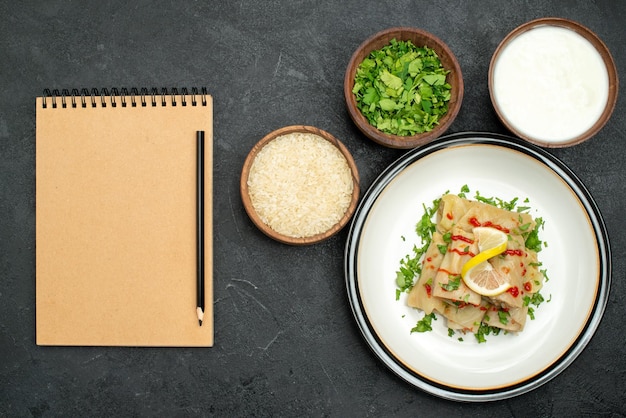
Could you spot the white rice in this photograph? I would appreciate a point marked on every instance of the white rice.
(300, 185)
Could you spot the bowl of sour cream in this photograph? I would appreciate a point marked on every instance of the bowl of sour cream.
(553, 82)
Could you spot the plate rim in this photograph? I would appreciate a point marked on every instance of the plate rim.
(578, 344)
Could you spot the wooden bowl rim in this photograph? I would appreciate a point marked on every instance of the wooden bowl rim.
(247, 203)
(455, 77)
(596, 42)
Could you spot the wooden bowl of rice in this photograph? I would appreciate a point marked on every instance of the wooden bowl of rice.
(299, 185)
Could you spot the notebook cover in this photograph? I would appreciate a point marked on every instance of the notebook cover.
(116, 224)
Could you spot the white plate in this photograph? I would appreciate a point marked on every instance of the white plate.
(577, 260)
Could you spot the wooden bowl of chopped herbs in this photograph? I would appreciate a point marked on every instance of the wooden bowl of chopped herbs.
(403, 87)
(299, 185)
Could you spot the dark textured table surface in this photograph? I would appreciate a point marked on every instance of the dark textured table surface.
(286, 343)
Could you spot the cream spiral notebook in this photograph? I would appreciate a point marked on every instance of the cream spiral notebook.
(116, 217)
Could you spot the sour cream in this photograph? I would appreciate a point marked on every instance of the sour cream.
(550, 84)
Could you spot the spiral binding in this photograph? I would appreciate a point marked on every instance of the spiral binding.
(124, 97)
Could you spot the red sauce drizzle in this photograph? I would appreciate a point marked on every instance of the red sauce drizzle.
(476, 222)
(514, 291)
(514, 252)
(429, 289)
(449, 216)
(528, 286)
(462, 238)
(459, 252)
(523, 269)
(447, 272)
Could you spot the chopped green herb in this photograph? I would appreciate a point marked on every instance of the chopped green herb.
(425, 227)
(410, 268)
(484, 330)
(401, 89)
(480, 335)
(503, 317)
(497, 202)
(532, 240)
(487, 200)
(450, 332)
(403, 281)
(536, 299)
(424, 324)
(453, 283)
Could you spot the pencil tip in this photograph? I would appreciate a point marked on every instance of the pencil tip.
(200, 313)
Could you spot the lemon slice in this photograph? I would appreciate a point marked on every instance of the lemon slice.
(477, 273)
(490, 239)
(485, 280)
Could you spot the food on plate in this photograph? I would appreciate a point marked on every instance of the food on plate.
(477, 267)
(401, 89)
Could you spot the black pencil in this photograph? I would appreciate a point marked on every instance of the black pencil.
(200, 226)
